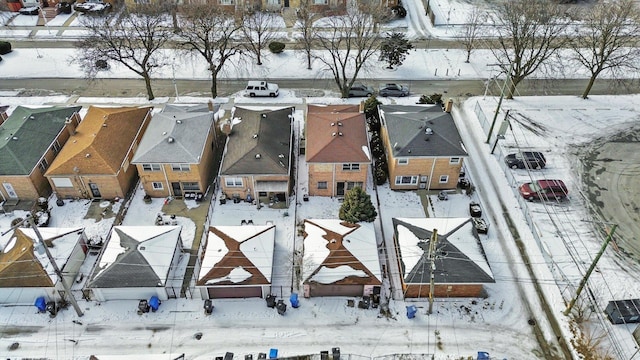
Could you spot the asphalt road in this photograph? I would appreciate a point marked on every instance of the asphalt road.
(161, 88)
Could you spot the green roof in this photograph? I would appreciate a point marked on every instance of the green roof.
(27, 134)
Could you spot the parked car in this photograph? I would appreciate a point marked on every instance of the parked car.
(360, 90)
(526, 160)
(393, 90)
(92, 7)
(262, 88)
(544, 189)
(474, 209)
(480, 225)
(31, 10)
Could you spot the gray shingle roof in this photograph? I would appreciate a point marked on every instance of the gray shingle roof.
(259, 143)
(27, 134)
(425, 130)
(453, 264)
(175, 136)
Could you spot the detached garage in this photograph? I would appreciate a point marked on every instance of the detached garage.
(237, 262)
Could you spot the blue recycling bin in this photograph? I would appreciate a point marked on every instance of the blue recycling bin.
(273, 354)
(41, 304)
(411, 311)
(154, 303)
(483, 355)
(295, 303)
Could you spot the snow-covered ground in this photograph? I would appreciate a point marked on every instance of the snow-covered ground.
(558, 254)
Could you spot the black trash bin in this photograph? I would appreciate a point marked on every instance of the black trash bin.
(271, 301)
(324, 355)
(336, 353)
(208, 306)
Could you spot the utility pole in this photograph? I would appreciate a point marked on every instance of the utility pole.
(583, 282)
(495, 116)
(432, 258)
(67, 289)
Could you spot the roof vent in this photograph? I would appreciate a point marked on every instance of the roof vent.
(334, 134)
(164, 133)
(142, 248)
(333, 124)
(14, 138)
(170, 139)
(339, 134)
(339, 124)
(178, 121)
(281, 156)
(255, 136)
(87, 155)
(32, 117)
(258, 156)
(104, 124)
(264, 115)
(428, 131)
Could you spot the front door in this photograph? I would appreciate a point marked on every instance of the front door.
(95, 192)
(340, 189)
(10, 191)
(177, 190)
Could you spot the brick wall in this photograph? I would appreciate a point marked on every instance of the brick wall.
(444, 290)
(332, 174)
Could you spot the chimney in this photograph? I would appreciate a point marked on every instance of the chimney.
(448, 106)
(71, 126)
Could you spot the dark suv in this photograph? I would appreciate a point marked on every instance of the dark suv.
(544, 190)
(526, 160)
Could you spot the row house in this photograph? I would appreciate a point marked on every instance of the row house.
(423, 147)
(95, 163)
(30, 140)
(176, 154)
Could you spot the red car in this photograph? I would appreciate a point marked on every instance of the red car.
(544, 190)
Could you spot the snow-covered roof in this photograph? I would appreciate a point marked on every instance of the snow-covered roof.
(238, 255)
(63, 241)
(137, 256)
(459, 254)
(354, 247)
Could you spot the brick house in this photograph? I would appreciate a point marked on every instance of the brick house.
(30, 140)
(96, 161)
(337, 149)
(423, 147)
(176, 153)
(461, 268)
(257, 162)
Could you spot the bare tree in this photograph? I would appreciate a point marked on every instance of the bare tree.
(475, 19)
(259, 29)
(530, 32)
(305, 23)
(607, 39)
(133, 39)
(346, 46)
(209, 31)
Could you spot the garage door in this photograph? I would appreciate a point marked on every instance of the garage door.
(336, 290)
(234, 292)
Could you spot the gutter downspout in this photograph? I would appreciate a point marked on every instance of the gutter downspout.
(431, 175)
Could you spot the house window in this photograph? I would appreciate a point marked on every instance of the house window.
(157, 185)
(150, 167)
(273, 2)
(406, 180)
(190, 186)
(351, 184)
(141, 1)
(444, 179)
(233, 182)
(454, 160)
(322, 184)
(180, 167)
(350, 167)
(320, 2)
(44, 164)
(403, 161)
(226, 2)
(56, 147)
